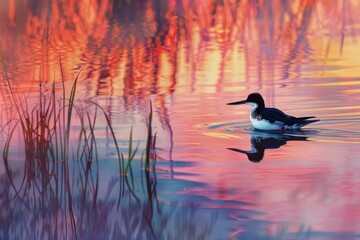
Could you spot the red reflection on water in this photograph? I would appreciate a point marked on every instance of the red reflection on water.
(127, 44)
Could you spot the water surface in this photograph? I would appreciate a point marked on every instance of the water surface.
(215, 176)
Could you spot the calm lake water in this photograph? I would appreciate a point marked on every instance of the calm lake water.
(214, 177)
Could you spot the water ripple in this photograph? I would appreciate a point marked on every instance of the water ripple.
(341, 130)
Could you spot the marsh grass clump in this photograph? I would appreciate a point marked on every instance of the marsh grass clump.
(50, 149)
(46, 129)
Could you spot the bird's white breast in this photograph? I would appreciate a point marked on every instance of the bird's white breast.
(265, 124)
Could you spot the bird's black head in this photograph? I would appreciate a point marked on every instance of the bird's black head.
(254, 99)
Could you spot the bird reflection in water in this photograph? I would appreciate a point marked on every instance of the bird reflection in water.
(260, 141)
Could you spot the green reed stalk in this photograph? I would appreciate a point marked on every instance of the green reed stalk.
(70, 108)
(6, 155)
(148, 142)
(131, 154)
(108, 121)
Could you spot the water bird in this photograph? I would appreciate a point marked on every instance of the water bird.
(260, 141)
(271, 119)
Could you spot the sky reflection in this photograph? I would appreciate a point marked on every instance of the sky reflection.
(189, 58)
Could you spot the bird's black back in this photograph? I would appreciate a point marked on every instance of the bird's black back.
(274, 114)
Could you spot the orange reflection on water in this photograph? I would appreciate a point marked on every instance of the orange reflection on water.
(201, 36)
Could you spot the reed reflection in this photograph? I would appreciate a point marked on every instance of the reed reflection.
(83, 198)
(261, 141)
(139, 48)
(53, 211)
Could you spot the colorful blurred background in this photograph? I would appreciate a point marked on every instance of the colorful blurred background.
(188, 58)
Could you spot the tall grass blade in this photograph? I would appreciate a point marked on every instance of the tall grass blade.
(70, 108)
(148, 142)
(131, 154)
(111, 131)
(5, 157)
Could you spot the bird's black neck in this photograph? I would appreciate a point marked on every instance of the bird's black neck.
(256, 112)
(261, 104)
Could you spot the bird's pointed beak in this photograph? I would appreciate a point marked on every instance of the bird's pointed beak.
(237, 103)
(238, 150)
